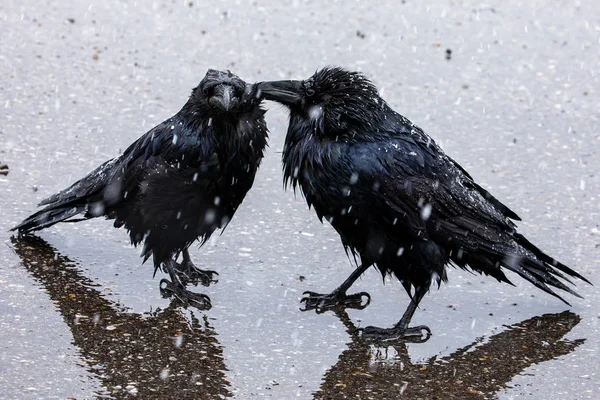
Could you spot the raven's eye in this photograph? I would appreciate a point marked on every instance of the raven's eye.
(238, 91)
(308, 88)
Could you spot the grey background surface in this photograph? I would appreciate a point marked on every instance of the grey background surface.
(517, 105)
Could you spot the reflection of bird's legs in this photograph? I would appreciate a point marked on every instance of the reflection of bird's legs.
(338, 298)
(401, 331)
(346, 321)
(378, 354)
(176, 288)
(189, 273)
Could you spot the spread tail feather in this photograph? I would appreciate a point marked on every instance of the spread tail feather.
(49, 216)
(489, 250)
(539, 274)
(522, 240)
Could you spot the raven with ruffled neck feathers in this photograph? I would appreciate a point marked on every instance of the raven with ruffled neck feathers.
(397, 201)
(177, 183)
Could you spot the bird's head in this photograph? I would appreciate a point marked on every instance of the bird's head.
(223, 92)
(334, 100)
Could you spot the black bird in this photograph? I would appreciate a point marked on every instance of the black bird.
(395, 198)
(179, 182)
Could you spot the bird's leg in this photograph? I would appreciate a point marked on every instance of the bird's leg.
(176, 288)
(338, 298)
(189, 273)
(401, 331)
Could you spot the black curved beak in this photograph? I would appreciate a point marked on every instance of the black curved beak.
(224, 96)
(287, 92)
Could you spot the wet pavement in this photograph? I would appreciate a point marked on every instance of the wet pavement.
(515, 101)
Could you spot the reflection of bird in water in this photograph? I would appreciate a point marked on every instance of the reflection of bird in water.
(473, 372)
(156, 355)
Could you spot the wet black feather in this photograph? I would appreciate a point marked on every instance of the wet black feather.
(396, 199)
(179, 182)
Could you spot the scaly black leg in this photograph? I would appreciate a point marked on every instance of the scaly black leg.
(189, 273)
(401, 331)
(338, 298)
(176, 288)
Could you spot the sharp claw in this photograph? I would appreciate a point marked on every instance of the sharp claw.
(183, 296)
(368, 296)
(166, 288)
(361, 294)
(422, 328)
(188, 273)
(199, 301)
(321, 303)
(357, 299)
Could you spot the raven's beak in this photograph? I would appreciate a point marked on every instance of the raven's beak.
(285, 92)
(224, 97)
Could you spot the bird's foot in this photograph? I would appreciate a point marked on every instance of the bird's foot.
(180, 294)
(189, 273)
(415, 334)
(334, 300)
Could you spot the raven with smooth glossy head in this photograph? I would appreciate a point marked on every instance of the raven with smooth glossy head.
(179, 182)
(395, 198)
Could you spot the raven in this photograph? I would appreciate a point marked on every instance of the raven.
(396, 200)
(179, 182)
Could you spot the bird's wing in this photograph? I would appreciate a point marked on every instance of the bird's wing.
(96, 182)
(173, 140)
(169, 143)
(420, 186)
(402, 127)
(507, 212)
(433, 199)
(86, 186)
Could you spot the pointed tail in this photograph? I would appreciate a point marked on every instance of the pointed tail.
(49, 216)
